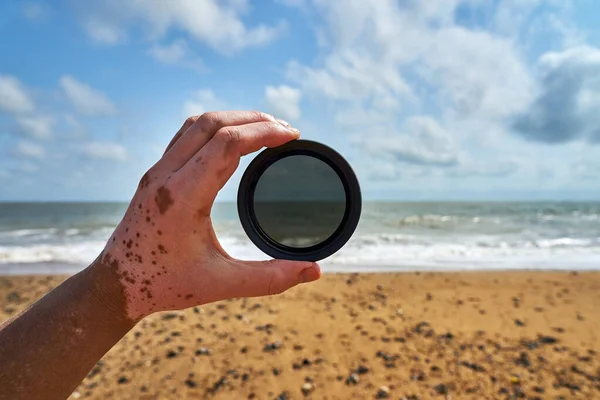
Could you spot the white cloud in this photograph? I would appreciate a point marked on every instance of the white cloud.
(421, 141)
(201, 102)
(86, 99)
(104, 32)
(77, 129)
(373, 46)
(176, 53)
(13, 96)
(283, 101)
(30, 149)
(35, 12)
(105, 151)
(510, 15)
(568, 101)
(37, 126)
(217, 23)
(477, 73)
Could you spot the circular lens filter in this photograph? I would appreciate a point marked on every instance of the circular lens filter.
(299, 201)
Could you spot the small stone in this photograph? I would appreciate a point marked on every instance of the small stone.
(307, 388)
(547, 339)
(122, 380)
(523, 360)
(473, 366)
(399, 312)
(169, 316)
(283, 396)
(352, 380)
(76, 395)
(272, 346)
(441, 388)
(361, 370)
(297, 365)
(306, 362)
(171, 354)
(518, 322)
(276, 371)
(383, 393)
(190, 383)
(203, 351)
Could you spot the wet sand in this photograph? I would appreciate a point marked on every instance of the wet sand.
(475, 335)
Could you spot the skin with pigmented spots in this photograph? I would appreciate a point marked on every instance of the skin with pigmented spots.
(164, 255)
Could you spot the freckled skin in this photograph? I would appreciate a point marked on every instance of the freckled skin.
(163, 199)
(181, 255)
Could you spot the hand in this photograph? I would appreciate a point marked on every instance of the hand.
(164, 254)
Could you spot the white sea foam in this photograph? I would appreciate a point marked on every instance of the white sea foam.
(394, 236)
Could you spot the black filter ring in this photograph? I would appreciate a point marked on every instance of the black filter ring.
(259, 165)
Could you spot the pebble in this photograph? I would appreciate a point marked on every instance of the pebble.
(203, 351)
(352, 380)
(519, 322)
(441, 388)
(272, 346)
(307, 388)
(547, 339)
(472, 366)
(171, 354)
(283, 396)
(190, 383)
(523, 360)
(122, 380)
(383, 393)
(276, 371)
(361, 370)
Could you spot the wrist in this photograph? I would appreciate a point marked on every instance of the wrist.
(105, 287)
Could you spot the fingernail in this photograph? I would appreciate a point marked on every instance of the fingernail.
(282, 122)
(309, 275)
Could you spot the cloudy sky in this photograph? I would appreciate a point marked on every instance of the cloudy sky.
(440, 100)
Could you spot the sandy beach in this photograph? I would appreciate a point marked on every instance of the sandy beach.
(475, 335)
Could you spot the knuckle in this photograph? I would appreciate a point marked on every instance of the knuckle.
(191, 120)
(229, 136)
(275, 283)
(210, 118)
(261, 116)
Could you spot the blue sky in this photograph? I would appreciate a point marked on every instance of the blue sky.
(452, 100)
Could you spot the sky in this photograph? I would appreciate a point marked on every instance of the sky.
(445, 100)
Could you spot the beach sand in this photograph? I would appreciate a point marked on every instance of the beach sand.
(475, 335)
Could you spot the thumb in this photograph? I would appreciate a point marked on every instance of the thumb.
(265, 278)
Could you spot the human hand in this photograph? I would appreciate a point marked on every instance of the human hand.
(164, 255)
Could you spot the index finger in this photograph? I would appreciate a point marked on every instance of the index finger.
(215, 163)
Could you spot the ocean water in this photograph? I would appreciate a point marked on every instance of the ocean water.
(64, 237)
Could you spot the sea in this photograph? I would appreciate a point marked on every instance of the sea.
(52, 238)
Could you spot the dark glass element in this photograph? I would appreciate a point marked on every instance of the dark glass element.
(299, 201)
